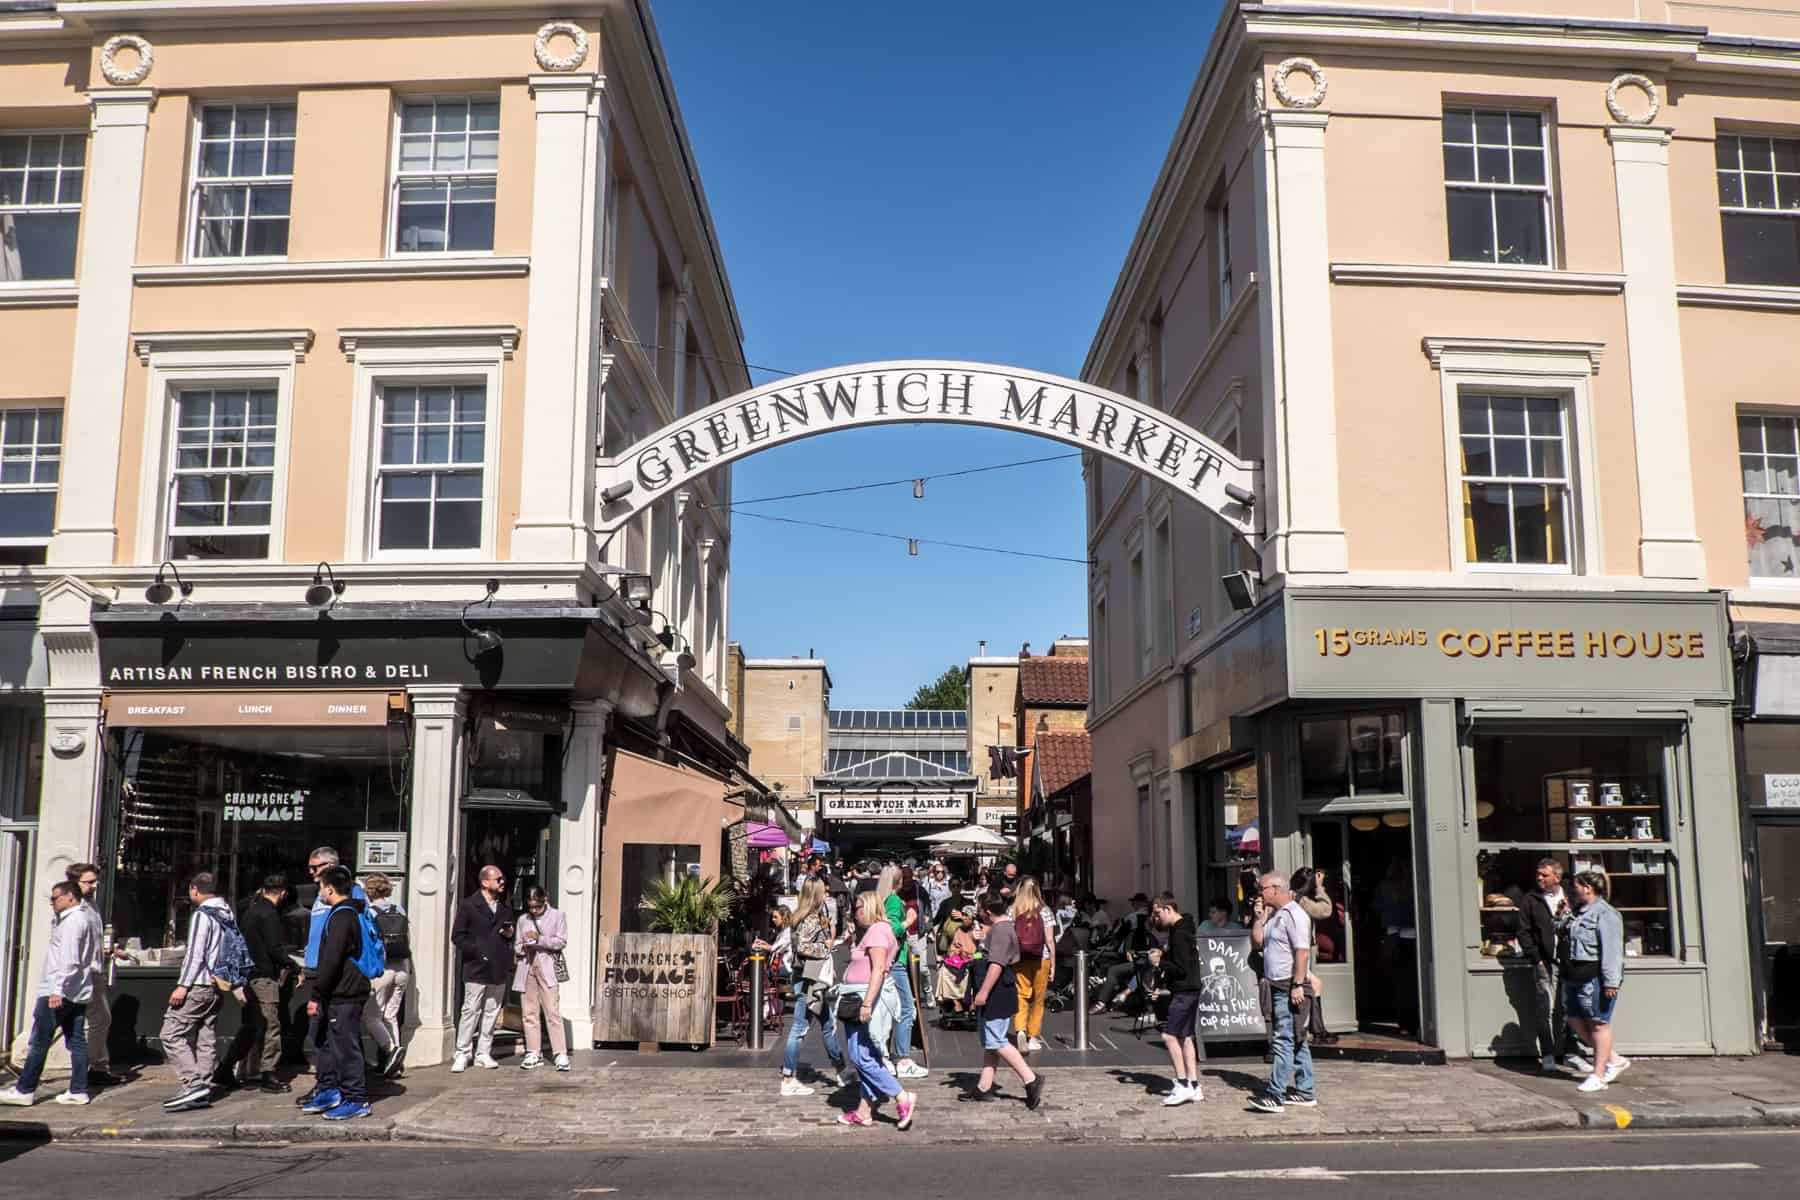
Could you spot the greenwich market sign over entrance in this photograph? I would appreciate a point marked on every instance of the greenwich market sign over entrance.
(891, 393)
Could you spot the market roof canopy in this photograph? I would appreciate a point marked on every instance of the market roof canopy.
(1091, 419)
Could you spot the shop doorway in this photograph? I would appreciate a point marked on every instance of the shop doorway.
(1369, 947)
(1778, 873)
(15, 908)
(515, 840)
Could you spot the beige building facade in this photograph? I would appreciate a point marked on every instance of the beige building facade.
(786, 710)
(1497, 299)
(336, 296)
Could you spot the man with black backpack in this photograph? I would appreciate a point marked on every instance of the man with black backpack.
(217, 960)
(256, 1049)
(340, 989)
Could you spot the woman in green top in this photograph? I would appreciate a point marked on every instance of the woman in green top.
(902, 920)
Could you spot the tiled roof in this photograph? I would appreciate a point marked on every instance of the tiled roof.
(1057, 680)
(1063, 759)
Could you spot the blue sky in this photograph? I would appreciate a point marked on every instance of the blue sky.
(927, 180)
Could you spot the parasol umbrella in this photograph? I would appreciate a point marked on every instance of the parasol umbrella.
(969, 836)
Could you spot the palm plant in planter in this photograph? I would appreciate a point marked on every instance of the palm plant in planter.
(688, 905)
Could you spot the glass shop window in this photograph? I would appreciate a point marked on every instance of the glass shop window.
(1358, 755)
(1591, 802)
(642, 862)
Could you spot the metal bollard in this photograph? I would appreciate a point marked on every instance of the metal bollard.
(757, 987)
(1081, 1000)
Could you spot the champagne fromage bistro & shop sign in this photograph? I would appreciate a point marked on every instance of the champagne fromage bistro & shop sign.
(655, 987)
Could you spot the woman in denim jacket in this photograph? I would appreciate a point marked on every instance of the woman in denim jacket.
(814, 975)
(1591, 980)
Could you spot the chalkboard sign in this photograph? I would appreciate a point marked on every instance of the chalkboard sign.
(1229, 1008)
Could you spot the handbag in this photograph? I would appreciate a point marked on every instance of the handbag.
(849, 1006)
(561, 964)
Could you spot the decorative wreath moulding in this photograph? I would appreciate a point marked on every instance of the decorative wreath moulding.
(1643, 84)
(1254, 104)
(109, 63)
(1312, 71)
(561, 62)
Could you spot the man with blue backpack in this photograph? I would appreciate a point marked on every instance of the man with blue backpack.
(216, 962)
(350, 954)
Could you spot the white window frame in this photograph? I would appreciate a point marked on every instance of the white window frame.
(191, 249)
(1497, 365)
(1138, 572)
(25, 207)
(396, 177)
(456, 354)
(1547, 189)
(1099, 657)
(1743, 210)
(33, 487)
(1565, 481)
(1161, 579)
(1222, 253)
(175, 473)
(1764, 414)
(226, 359)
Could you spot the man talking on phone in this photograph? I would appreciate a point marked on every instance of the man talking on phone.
(482, 933)
(1284, 932)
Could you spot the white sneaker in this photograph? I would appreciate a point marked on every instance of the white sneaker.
(459, 1064)
(1179, 1096)
(1032, 1045)
(910, 1070)
(1615, 1068)
(562, 1062)
(74, 1098)
(1578, 1064)
(13, 1095)
(486, 1060)
(1593, 1083)
(530, 1062)
(793, 1087)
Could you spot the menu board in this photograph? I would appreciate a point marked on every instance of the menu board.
(1229, 1007)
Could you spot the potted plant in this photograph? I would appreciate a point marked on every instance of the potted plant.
(688, 905)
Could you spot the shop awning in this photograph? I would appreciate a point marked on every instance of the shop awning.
(765, 837)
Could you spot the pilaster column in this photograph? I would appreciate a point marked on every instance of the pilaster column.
(86, 529)
(435, 857)
(1668, 539)
(584, 783)
(678, 331)
(557, 476)
(1300, 407)
(68, 828)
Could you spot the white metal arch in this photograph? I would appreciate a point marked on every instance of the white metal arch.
(923, 391)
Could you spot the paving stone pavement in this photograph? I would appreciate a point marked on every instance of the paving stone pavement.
(610, 1099)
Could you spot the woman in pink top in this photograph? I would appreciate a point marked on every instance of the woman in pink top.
(866, 976)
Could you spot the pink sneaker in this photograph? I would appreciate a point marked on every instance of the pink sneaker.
(853, 1118)
(908, 1102)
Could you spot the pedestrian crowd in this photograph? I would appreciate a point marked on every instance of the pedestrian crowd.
(868, 947)
(352, 973)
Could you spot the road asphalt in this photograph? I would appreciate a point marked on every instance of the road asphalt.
(1666, 1165)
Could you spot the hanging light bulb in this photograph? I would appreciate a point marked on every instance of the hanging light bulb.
(912, 547)
(918, 489)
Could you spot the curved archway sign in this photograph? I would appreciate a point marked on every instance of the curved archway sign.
(958, 393)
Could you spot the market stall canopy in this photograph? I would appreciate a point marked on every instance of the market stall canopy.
(967, 835)
(766, 837)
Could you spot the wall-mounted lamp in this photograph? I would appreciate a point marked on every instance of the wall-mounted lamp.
(326, 588)
(1242, 495)
(636, 589)
(159, 592)
(1240, 590)
(487, 639)
(685, 660)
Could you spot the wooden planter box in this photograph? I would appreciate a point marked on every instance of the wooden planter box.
(655, 987)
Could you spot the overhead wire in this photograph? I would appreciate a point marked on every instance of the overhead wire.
(896, 537)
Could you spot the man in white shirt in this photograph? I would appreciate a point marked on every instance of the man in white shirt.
(86, 876)
(1284, 932)
(190, 1028)
(62, 998)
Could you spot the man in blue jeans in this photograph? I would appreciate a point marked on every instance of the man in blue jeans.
(1284, 932)
(62, 1000)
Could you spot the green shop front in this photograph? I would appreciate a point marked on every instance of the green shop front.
(1427, 749)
